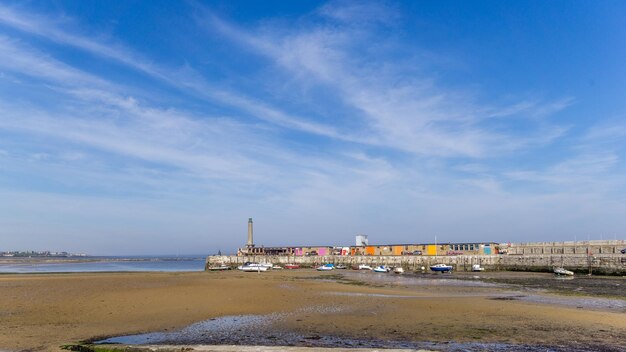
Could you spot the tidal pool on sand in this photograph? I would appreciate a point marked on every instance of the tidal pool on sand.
(257, 330)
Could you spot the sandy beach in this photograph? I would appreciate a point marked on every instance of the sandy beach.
(43, 312)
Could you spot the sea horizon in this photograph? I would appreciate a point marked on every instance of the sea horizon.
(126, 263)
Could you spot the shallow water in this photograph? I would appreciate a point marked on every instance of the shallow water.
(383, 295)
(615, 305)
(228, 328)
(379, 295)
(598, 286)
(415, 279)
(536, 293)
(257, 330)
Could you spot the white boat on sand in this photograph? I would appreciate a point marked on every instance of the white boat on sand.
(382, 269)
(220, 267)
(398, 270)
(477, 267)
(563, 272)
(364, 267)
(326, 267)
(255, 267)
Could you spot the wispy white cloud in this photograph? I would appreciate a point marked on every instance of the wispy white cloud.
(17, 57)
(360, 12)
(588, 173)
(408, 115)
(527, 108)
(123, 139)
(119, 124)
(43, 26)
(97, 115)
(183, 78)
(403, 110)
(606, 133)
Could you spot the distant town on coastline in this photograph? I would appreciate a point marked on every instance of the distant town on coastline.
(30, 254)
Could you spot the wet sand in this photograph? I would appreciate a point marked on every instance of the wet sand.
(42, 312)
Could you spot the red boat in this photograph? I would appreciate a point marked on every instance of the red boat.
(292, 266)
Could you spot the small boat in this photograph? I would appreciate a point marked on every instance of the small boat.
(398, 270)
(341, 266)
(563, 272)
(326, 267)
(251, 267)
(364, 267)
(277, 267)
(441, 268)
(292, 266)
(477, 267)
(382, 269)
(220, 267)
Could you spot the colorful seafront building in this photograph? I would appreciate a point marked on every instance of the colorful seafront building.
(363, 248)
(439, 249)
(607, 257)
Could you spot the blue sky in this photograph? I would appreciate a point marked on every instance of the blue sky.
(150, 127)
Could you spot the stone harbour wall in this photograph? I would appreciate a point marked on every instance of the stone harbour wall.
(568, 247)
(603, 264)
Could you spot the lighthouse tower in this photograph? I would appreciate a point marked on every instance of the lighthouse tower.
(250, 243)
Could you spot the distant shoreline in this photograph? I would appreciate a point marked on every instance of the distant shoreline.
(63, 260)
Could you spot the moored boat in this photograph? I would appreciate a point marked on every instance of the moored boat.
(251, 267)
(277, 267)
(441, 268)
(382, 269)
(563, 272)
(364, 267)
(398, 270)
(326, 267)
(477, 267)
(220, 267)
(341, 266)
(292, 266)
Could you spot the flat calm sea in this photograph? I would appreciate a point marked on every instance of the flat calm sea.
(105, 264)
